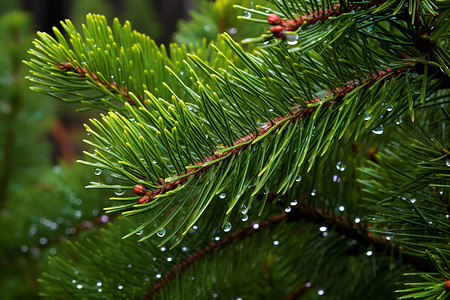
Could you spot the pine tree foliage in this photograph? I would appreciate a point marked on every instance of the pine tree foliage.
(206, 133)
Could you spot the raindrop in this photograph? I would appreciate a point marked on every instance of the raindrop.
(246, 14)
(169, 259)
(357, 220)
(276, 243)
(321, 292)
(227, 227)
(340, 166)
(369, 253)
(367, 117)
(299, 177)
(336, 178)
(222, 195)
(287, 209)
(292, 39)
(24, 248)
(131, 118)
(74, 281)
(99, 290)
(119, 191)
(323, 228)
(390, 108)
(182, 73)
(207, 28)
(244, 209)
(378, 130)
(43, 240)
(97, 171)
(112, 76)
(78, 214)
(161, 233)
(130, 265)
(232, 30)
(185, 249)
(341, 208)
(412, 200)
(244, 218)
(255, 226)
(217, 238)
(399, 120)
(79, 286)
(99, 283)
(447, 162)
(313, 193)
(158, 276)
(294, 203)
(140, 232)
(308, 284)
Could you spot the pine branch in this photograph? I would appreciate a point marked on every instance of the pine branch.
(270, 127)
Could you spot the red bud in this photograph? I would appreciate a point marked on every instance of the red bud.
(140, 190)
(274, 19)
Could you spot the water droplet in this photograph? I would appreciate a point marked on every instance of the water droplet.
(292, 39)
(154, 162)
(336, 178)
(207, 28)
(158, 276)
(43, 240)
(313, 193)
(161, 233)
(399, 120)
(244, 218)
(321, 292)
(378, 130)
(217, 238)
(276, 243)
(299, 177)
(255, 226)
(308, 284)
(97, 171)
(99, 283)
(182, 73)
(367, 117)
(130, 265)
(323, 228)
(215, 295)
(288, 209)
(357, 220)
(74, 281)
(447, 162)
(413, 200)
(24, 248)
(294, 203)
(99, 290)
(341, 208)
(78, 214)
(169, 259)
(222, 195)
(112, 76)
(390, 108)
(340, 166)
(185, 248)
(246, 14)
(79, 286)
(243, 209)
(140, 232)
(227, 227)
(119, 191)
(369, 253)
(131, 118)
(232, 30)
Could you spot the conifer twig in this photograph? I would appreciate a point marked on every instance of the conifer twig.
(303, 211)
(297, 113)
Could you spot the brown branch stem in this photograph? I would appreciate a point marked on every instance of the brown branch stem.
(309, 213)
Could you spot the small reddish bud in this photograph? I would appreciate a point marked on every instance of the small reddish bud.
(447, 285)
(276, 29)
(65, 66)
(274, 19)
(140, 190)
(144, 199)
